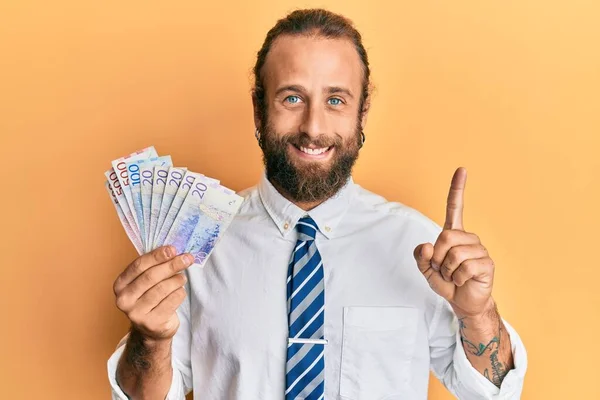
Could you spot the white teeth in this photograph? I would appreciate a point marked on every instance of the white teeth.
(314, 151)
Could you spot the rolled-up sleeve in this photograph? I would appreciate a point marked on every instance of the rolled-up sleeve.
(181, 384)
(450, 364)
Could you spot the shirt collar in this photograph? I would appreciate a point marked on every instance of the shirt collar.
(286, 214)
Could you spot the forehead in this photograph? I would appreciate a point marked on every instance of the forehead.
(313, 62)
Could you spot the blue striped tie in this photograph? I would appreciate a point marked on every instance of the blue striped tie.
(306, 315)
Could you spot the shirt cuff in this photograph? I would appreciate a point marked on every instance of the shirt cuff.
(475, 382)
(176, 392)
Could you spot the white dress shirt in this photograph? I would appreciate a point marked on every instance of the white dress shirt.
(385, 326)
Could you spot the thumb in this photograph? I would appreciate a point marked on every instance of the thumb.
(423, 254)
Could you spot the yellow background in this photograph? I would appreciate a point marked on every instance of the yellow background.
(507, 89)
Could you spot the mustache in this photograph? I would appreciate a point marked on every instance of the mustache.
(304, 140)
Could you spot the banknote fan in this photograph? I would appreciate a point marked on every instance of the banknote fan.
(159, 204)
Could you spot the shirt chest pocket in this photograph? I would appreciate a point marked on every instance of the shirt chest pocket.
(378, 345)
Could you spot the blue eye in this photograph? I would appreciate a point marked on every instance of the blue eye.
(335, 101)
(292, 99)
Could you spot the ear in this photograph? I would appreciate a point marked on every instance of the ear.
(365, 113)
(255, 107)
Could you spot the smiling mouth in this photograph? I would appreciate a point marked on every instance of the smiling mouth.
(313, 152)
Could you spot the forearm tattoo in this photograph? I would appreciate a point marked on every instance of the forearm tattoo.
(490, 350)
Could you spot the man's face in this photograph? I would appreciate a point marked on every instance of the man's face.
(311, 132)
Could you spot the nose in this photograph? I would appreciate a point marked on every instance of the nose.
(314, 121)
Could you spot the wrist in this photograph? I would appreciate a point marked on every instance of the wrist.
(147, 341)
(485, 320)
(489, 309)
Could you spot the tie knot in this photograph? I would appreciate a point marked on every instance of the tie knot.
(307, 229)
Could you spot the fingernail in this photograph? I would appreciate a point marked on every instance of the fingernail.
(435, 266)
(189, 259)
(169, 251)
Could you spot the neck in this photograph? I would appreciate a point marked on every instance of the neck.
(305, 205)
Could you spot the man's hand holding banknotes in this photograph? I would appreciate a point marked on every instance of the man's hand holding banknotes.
(174, 218)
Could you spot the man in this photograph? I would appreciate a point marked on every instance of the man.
(319, 289)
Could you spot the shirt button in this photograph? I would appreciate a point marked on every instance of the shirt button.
(327, 229)
(286, 226)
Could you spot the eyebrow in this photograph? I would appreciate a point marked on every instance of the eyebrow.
(301, 89)
(337, 89)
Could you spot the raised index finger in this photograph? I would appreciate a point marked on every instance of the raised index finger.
(456, 197)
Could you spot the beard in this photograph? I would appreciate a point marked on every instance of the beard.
(308, 181)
